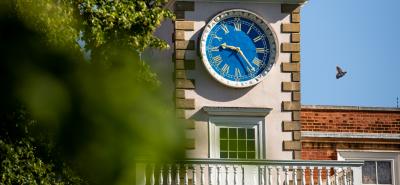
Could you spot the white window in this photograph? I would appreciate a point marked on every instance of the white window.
(380, 167)
(236, 133)
(377, 172)
(236, 137)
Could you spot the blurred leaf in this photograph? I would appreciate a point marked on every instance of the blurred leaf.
(96, 117)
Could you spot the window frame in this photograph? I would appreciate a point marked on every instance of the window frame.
(374, 155)
(376, 170)
(216, 122)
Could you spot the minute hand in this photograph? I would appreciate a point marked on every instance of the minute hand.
(247, 61)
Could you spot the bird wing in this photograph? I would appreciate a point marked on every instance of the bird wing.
(339, 70)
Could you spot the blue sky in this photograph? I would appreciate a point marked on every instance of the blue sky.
(363, 37)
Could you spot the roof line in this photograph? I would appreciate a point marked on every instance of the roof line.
(350, 108)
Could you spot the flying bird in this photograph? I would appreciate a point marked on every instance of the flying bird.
(339, 72)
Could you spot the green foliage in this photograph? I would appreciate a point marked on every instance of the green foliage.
(130, 23)
(20, 165)
(55, 20)
(101, 25)
(62, 115)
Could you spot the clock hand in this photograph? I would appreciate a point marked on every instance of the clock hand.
(247, 61)
(224, 46)
(237, 49)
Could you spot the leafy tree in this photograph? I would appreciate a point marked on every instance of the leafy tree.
(101, 25)
(60, 111)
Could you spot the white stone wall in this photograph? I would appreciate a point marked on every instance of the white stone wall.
(208, 92)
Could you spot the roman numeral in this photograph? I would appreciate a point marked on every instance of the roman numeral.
(226, 30)
(237, 24)
(217, 60)
(225, 68)
(257, 61)
(248, 31)
(216, 37)
(258, 38)
(249, 70)
(237, 73)
(262, 50)
(214, 48)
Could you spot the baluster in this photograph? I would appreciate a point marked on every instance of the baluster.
(226, 175)
(344, 176)
(234, 175)
(160, 178)
(303, 175)
(335, 171)
(242, 175)
(286, 169)
(218, 175)
(186, 179)
(260, 175)
(269, 175)
(265, 175)
(178, 178)
(328, 178)
(210, 174)
(351, 176)
(319, 175)
(152, 174)
(278, 175)
(312, 175)
(194, 175)
(294, 175)
(169, 180)
(202, 176)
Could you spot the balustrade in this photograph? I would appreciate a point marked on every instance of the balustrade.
(248, 172)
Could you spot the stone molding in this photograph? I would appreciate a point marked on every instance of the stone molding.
(350, 108)
(183, 64)
(291, 27)
(290, 47)
(290, 86)
(290, 67)
(291, 126)
(354, 135)
(237, 111)
(293, 86)
(292, 145)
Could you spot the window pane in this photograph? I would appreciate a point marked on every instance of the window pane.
(251, 155)
(250, 133)
(241, 133)
(223, 133)
(223, 144)
(251, 146)
(384, 172)
(369, 172)
(223, 155)
(232, 133)
(242, 145)
(232, 145)
(232, 155)
(242, 155)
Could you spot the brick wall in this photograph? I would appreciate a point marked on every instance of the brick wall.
(334, 119)
(363, 121)
(318, 152)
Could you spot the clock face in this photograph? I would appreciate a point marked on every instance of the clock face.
(238, 48)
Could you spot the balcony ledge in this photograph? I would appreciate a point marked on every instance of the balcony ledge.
(237, 111)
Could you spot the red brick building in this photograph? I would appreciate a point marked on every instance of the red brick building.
(347, 133)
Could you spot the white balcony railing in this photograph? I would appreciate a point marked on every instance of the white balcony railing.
(248, 172)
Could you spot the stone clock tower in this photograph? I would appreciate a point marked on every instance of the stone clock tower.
(236, 67)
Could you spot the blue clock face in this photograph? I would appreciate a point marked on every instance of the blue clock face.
(238, 48)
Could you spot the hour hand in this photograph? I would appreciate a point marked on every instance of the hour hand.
(224, 46)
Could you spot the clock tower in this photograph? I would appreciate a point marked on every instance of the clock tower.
(236, 67)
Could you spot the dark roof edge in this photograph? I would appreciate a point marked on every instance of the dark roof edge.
(350, 108)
